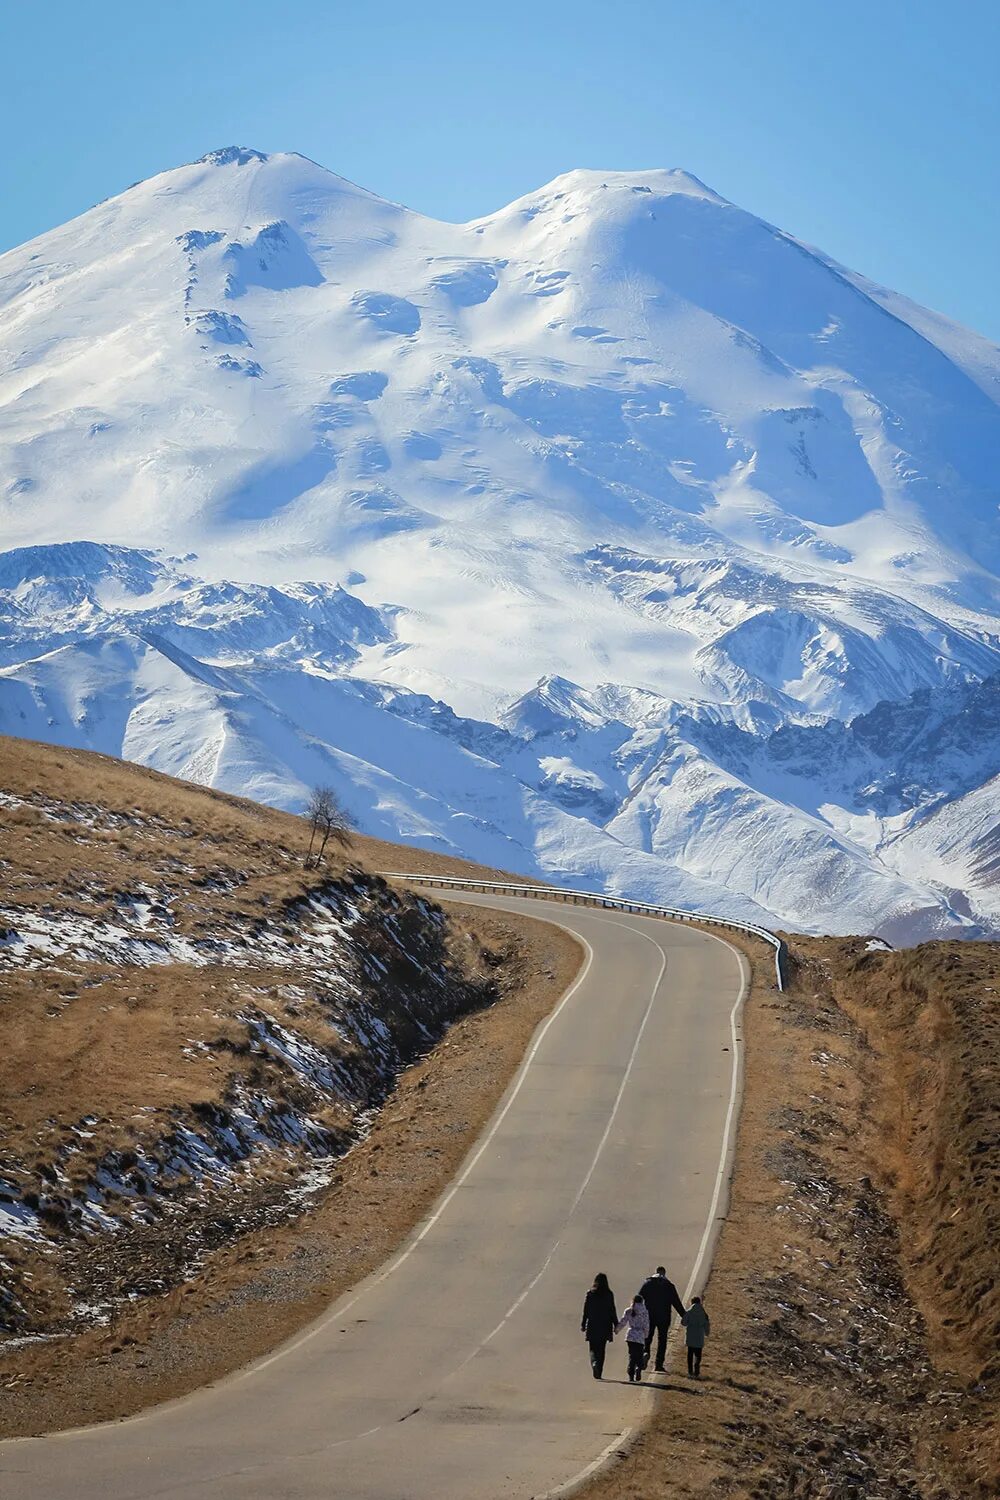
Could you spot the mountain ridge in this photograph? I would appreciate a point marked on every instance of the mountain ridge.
(613, 464)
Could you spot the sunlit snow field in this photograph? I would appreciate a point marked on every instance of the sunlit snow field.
(570, 539)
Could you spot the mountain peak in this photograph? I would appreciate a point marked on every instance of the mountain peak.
(231, 156)
(592, 192)
(629, 474)
(78, 560)
(647, 179)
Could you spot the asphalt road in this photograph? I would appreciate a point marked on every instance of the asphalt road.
(458, 1371)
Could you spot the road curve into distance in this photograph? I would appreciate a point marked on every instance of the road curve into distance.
(457, 1371)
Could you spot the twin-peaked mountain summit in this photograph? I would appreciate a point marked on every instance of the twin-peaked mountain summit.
(573, 538)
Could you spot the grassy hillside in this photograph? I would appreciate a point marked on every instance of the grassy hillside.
(194, 1025)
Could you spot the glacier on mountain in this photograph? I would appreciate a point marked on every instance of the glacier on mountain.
(617, 537)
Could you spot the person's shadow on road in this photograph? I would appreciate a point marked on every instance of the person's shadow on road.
(650, 1385)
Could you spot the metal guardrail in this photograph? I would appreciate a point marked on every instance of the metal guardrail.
(613, 903)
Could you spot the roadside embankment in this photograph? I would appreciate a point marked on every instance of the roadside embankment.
(929, 1018)
(853, 1294)
(199, 1031)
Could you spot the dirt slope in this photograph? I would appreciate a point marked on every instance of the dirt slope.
(930, 1019)
(195, 1027)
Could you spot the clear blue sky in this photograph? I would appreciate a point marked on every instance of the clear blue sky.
(869, 129)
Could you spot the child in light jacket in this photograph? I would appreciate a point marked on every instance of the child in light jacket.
(696, 1328)
(636, 1323)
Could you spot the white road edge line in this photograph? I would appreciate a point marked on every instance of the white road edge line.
(339, 1310)
(721, 1176)
(569, 1486)
(591, 1468)
(597, 1154)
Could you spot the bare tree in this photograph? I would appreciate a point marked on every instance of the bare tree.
(327, 819)
(316, 811)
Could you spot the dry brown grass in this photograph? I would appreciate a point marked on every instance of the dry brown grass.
(114, 1038)
(130, 1051)
(255, 1291)
(931, 1016)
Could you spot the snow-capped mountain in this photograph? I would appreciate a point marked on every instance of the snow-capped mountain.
(617, 536)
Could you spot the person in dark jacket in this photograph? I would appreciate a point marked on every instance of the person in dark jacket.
(599, 1318)
(697, 1328)
(660, 1295)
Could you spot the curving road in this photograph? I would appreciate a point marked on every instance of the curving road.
(457, 1372)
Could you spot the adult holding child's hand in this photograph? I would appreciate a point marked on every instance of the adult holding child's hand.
(660, 1296)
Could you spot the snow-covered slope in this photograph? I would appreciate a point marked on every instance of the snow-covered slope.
(536, 534)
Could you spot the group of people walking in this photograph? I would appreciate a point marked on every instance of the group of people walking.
(646, 1319)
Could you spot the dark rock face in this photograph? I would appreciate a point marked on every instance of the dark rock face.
(232, 156)
(939, 742)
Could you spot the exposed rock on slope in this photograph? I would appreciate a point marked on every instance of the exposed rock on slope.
(194, 1026)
